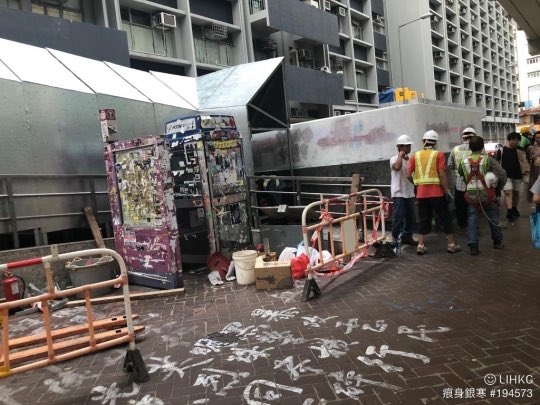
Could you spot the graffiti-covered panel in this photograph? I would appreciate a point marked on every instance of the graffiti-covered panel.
(361, 137)
(144, 216)
(209, 185)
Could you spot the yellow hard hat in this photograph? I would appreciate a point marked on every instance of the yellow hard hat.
(524, 130)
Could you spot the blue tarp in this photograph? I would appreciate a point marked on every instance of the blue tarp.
(386, 96)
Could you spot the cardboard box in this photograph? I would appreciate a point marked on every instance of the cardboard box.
(269, 275)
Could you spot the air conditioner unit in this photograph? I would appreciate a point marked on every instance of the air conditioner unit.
(435, 19)
(305, 54)
(453, 61)
(451, 29)
(342, 12)
(326, 69)
(164, 20)
(216, 31)
(337, 113)
(327, 5)
(479, 97)
(455, 91)
(338, 62)
(438, 54)
(466, 65)
(379, 19)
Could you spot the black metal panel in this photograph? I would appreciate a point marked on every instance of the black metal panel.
(87, 40)
(217, 9)
(313, 86)
(302, 19)
(377, 6)
(383, 77)
(379, 41)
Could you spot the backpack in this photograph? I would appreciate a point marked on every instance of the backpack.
(478, 197)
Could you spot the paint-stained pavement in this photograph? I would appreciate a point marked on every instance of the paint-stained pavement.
(410, 330)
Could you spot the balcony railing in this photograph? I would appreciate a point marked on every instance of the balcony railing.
(213, 53)
(149, 40)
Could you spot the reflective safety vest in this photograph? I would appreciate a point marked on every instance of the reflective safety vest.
(474, 182)
(460, 153)
(425, 170)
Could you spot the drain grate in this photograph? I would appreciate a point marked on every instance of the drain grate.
(223, 339)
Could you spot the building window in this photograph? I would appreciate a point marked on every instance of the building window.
(531, 75)
(142, 37)
(534, 89)
(357, 31)
(256, 6)
(68, 10)
(378, 23)
(212, 51)
(361, 80)
(532, 61)
(381, 60)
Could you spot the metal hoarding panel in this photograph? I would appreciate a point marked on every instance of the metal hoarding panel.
(240, 115)
(6, 74)
(150, 86)
(364, 137)
(133, 118)
(166, 113)
(37, 65)
(271, 151)
(64, 140)
(144, 215)
(184, 87)
(98, 76)
(234, 86)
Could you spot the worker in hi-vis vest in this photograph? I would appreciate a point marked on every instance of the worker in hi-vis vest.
(427, 170)
(459, 153)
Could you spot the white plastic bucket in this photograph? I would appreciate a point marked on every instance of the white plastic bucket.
(244, 266)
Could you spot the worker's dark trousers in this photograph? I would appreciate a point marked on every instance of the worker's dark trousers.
(461, 208)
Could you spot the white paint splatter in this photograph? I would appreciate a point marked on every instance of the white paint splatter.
(384, 350)
(350, 384)
(171, 367)
(332, 347)
(148, 399)
(66, 380)
(282, 338)
(422, 331)
(378, 362)
(212, 380)
(248, 355)
(109, 395)
(276, 315)
(294, 371)
(351, 324)
(6, 395)
(380, 326)
(315, 321)
(259, 390)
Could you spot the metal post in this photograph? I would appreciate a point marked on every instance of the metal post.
(12, 213)
(93, 200)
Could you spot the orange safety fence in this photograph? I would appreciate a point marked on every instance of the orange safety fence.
(374, 208)
(56, 349)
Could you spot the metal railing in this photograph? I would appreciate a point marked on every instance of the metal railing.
(9, 200)
(294, 193)
(256, 5)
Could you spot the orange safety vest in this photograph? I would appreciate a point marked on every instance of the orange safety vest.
(425, 170)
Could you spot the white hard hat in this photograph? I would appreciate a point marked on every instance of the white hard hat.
(468, 131)
(491, 179)
(431, 135)
(403, 140)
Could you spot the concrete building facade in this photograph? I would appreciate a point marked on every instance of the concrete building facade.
(464, 53)
(529, 73)
(339, 54)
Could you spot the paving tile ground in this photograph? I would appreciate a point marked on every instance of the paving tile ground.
(409, 330)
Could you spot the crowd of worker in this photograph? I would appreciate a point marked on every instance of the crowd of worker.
(470, 181)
